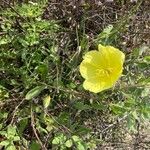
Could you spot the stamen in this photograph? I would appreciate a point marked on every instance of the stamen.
(104, 72)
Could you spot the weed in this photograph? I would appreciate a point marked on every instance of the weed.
(42, 101)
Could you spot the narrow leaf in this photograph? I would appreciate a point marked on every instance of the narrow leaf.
(46, 101)
(34, 92)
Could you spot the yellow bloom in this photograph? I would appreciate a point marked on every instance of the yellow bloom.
(102, 68)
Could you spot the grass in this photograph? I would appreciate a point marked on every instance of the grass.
(42, 101)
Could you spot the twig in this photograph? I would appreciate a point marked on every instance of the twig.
(63, 89)
(66, 129)
(34, 130)
(116, 122)
(14, 112)
(47, 138)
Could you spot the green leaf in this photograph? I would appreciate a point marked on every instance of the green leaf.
(46, 101)
(78, 142)
(64, 118)
(98, 106)
(71, 85)
(131, 123)
(146, 115)
(10, 147)
(147, 58)
(143, 65)
(56, 141)
(34, 92)
(80, 146)
(135, 115)
(43, 70)
(76, 138)
(34, 146)
(4, 133)
(145, 92)
(59, 139)
(4, 143)
(91, 144)
(82, 130)
(146, 112)
(106, 32)
(22, 125)
(11, 130)
(16, 138)
(130, 103)
(144, 81)
(1, 126)
(117, 109)
(81, 106)
(68, 143)
(41, 129)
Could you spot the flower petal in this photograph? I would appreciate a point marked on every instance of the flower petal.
(87, 70)
(96, 85)
(95, 58)
(114, 56)
(92, 85)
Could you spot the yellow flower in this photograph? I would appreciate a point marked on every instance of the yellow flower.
(101, 69)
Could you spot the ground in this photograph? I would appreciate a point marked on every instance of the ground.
(41, 64)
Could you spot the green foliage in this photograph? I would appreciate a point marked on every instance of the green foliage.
(3, 93)
(41, 93)
(103, 37)
(11, 136)
(135, 107)
(65, 143)
(34, 146)
(32, 10)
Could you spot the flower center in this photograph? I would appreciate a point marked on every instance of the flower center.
(104, 72)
